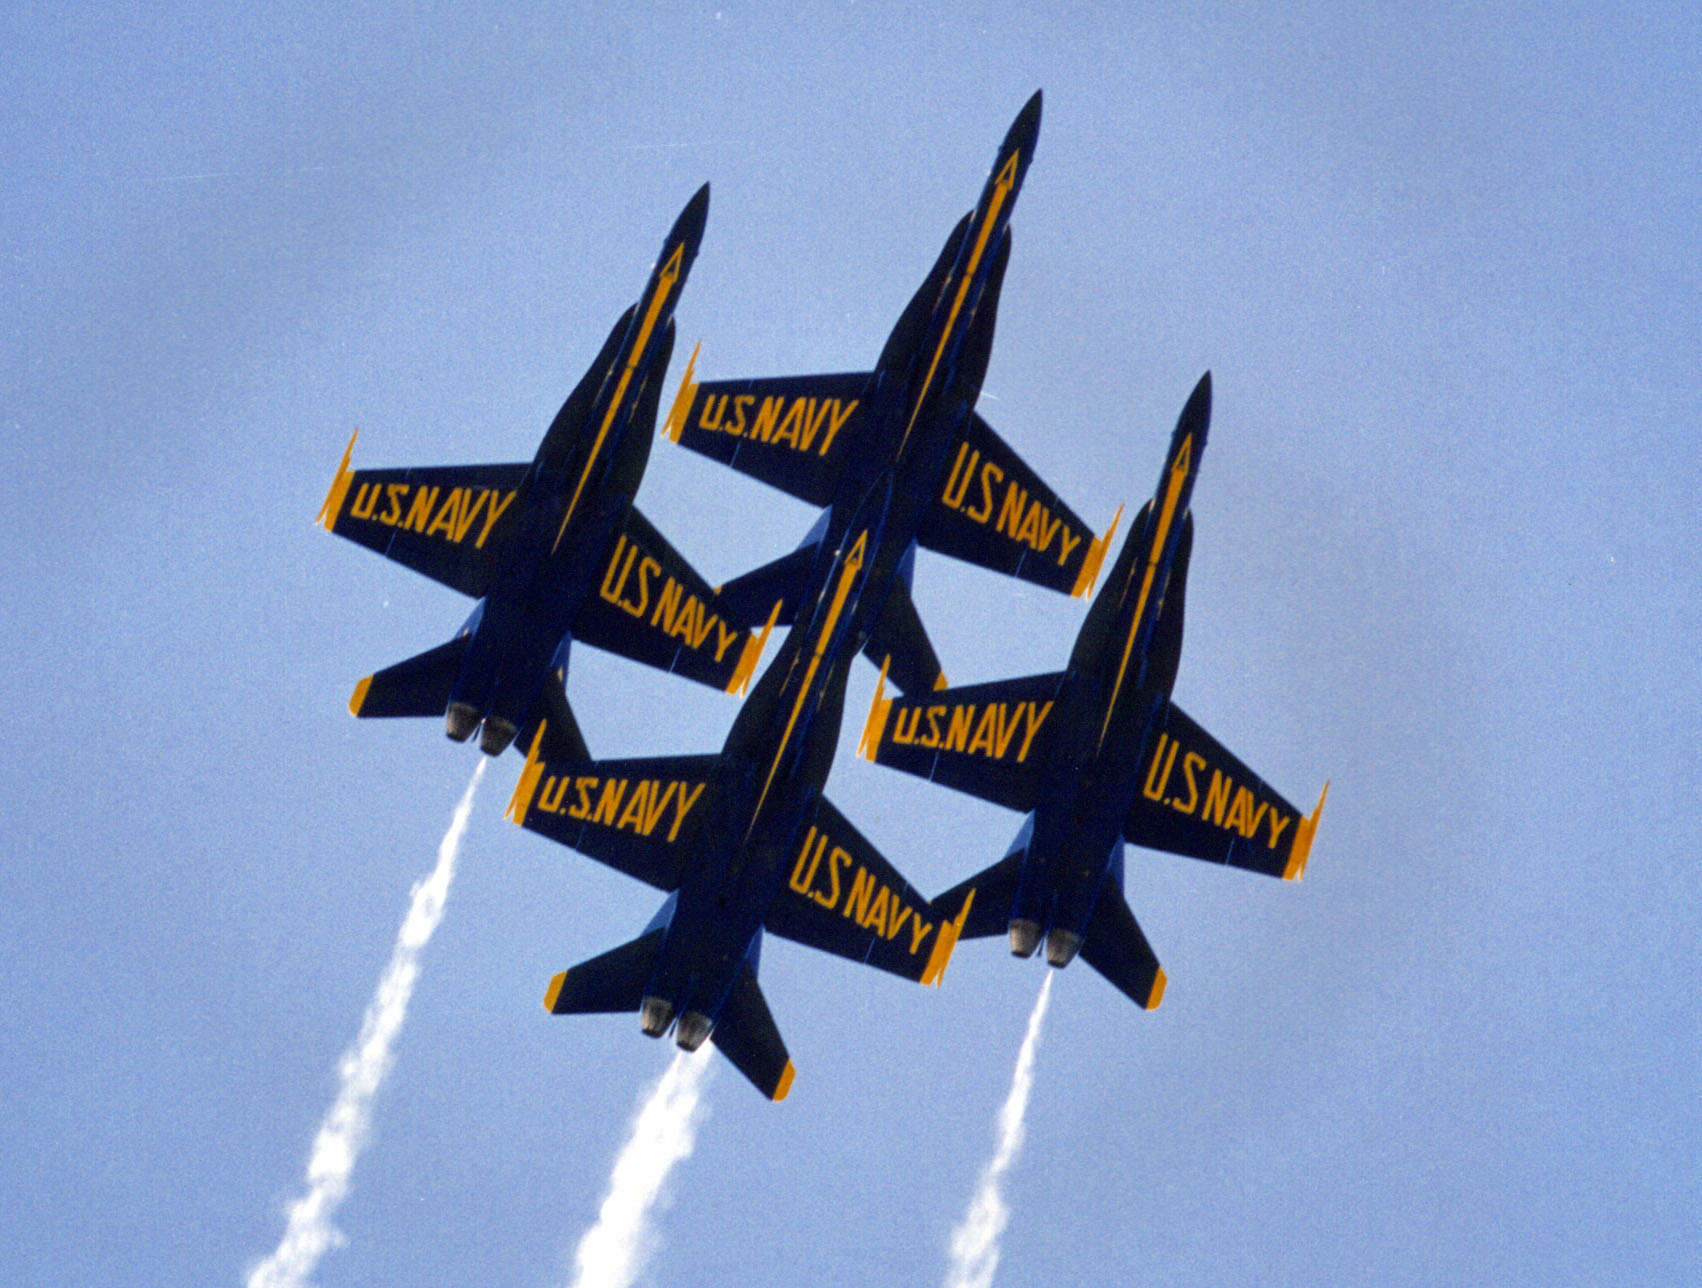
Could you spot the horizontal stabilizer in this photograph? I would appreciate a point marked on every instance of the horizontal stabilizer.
(554, 718)
(611, 982)
(842, 896)
(995, 891)
(1196, 799)
(1116, 948)
(449, 522)
(418, 687)
(753, 595)
(995, 511)
(990, 740)
(791, 432)
(653, 607)
(900, 646)
(637, 816)
(746, 1034)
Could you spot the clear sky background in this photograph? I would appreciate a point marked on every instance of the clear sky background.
(1442, 262)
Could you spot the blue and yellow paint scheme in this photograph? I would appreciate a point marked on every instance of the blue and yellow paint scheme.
(1097, 755)
(745, 842)
(553, 550)
(829, 439)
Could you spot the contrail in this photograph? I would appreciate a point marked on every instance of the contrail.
(975, 1241)
(664, 1131)
(310, 1233)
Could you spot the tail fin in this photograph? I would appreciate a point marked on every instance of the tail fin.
(746, 1035)
(613, 981)
(1116, 948)
(418, 687)
(900, 645)
(752, 597)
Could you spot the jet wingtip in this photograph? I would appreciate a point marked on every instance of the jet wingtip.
(1301, 850)
(527, 786)
(332, 506)
(675, 423)
(783, 1088)
(1155, 997)
(874, 728)
(358, 699)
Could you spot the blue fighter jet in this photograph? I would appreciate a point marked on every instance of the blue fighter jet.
(745, 841)
(553, 550)
(1098, 755)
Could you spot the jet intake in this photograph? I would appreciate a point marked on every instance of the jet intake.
(694, 1027)
(654, 1016)
(461, 719)
(1062, 946)
(1025, 937)
(496, 737)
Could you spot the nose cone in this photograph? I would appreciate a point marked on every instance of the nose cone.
(688, 228)
(1196, 415)
(1025, 130)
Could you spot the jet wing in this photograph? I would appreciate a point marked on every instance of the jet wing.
(791, 432)
(996, 512)
(630, 814)
(843, 897)
(990, 740)
(1198, 800)
(446, 521)
(653, 607)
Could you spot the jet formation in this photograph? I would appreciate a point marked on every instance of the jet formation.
(745, 841)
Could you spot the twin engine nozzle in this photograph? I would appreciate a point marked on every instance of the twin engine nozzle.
(1061, 945)
(462, 718)
(655, 1014)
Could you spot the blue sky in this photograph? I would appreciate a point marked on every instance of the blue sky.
(1442, 262)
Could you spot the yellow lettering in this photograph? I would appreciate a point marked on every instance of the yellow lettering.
(800, 880)
(1192, 762)
(1007, 731)
(682, 806)
(836, 423)
(1011, 512)
(1241, 812)
(1069, 542)
(419, 513)
(982, 743)
(582, 785)
(875, 918)
(716, 404)
(724, 637)
(449, 513)
(366, 500)
(767, 416)
(896, 917)
(857, 902)
(493, 512)
(1217, 798)
(393, 493)
(609, 803)
(1148, 789)
(795, 415)
(637, 804)
(1279, 825)
(836, 860)
(739, 404)
(653, 815)
(469, 513)
(549, 800)
(1034, 723)
(667, 606)
(903, 733)
(991, 474)
(958, 470)
(957, 732)
(918, 932)
(612, 592)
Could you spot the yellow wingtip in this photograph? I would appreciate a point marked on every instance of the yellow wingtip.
(875, 726)
(940, 681)
(945, 943)
(752, 654)
(527, 786)
(1301, 850)
(1157, 994)
(332, 506)
(1090, 564)
(358, 699)
(783, 1088)
(552, 993)
(675, 425)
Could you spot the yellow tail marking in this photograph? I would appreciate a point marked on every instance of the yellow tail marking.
(945, 941)
(1157, 994)
(359, 699)
(783, 1088)
(752, 654)
(940, 682)
(1088, 577)
(554, 992)
(333, 503)
(1172, 494)
(1302, 847)
(675, 425)
(527, 787)
(1001, 189)
(847, 574)
(869, 745)
(664, 287)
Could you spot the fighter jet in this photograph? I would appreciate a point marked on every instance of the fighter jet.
(554, 550)
(1098, 755)
(958, 488)
(745, 841)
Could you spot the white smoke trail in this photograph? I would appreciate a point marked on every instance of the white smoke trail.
(664, 1132)
(310, 1233)
(975, 1241)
